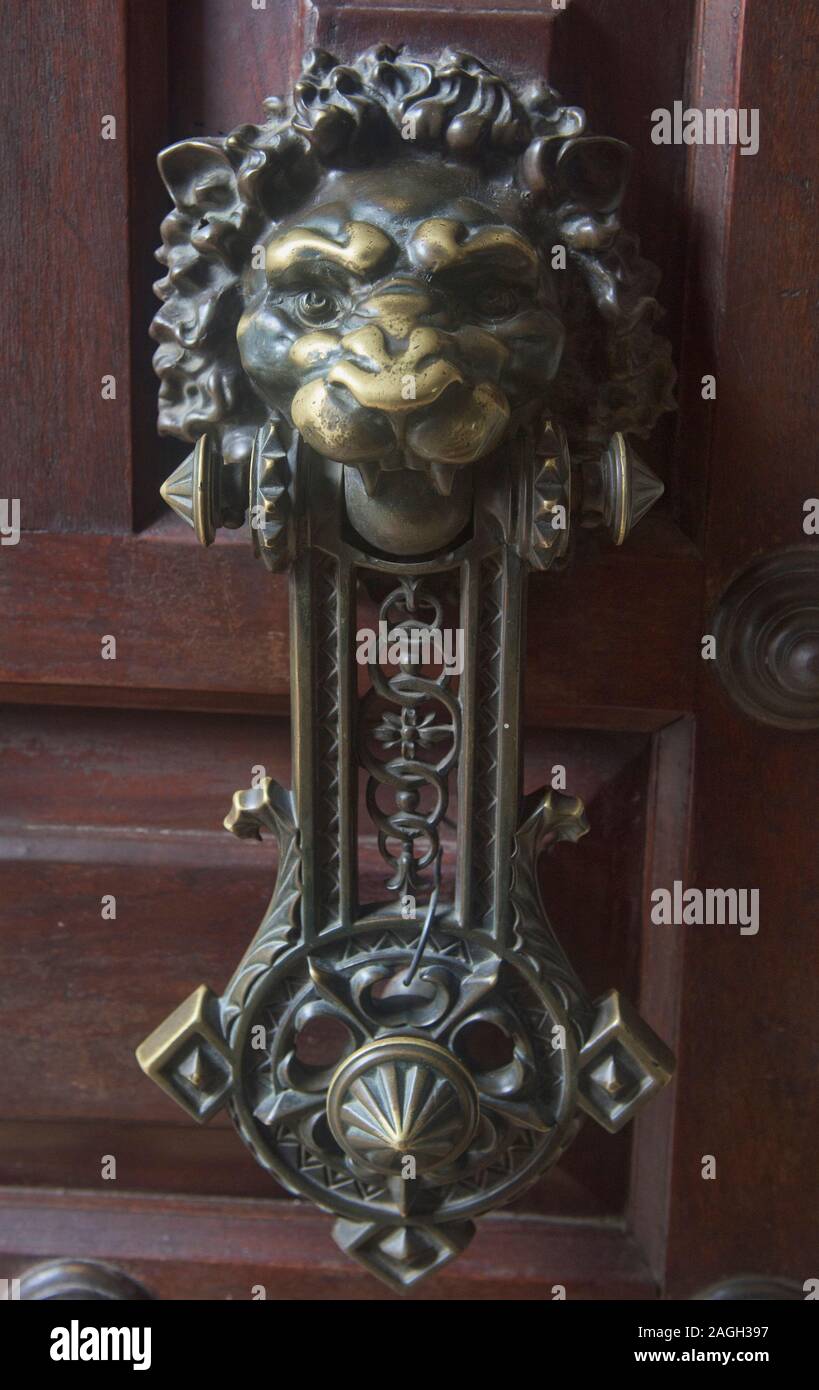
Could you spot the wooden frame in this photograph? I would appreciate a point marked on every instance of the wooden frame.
(94, 560)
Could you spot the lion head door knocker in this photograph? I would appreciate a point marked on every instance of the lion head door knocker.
(406, 334)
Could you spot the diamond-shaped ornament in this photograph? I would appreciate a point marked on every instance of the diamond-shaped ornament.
(402, 1255)
(621, 1065)
(189, 1058)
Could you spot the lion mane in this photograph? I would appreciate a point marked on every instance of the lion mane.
(229, 193)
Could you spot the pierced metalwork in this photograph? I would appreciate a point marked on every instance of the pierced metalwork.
(401, 398)
(419, 715)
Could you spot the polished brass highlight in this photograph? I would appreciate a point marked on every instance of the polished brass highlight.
(187, 1057)
(401, 402)
(361, 249)
(622, 1063)
(445, 244)
(203, 493)
(402, 1098)
(618, 489)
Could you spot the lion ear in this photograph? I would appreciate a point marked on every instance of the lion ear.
(198, 175)
(594, 171)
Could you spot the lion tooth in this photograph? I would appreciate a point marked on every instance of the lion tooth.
(443, 477)
(369, 476)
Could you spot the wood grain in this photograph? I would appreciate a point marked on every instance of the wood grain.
(200, 1248)
(76, 211)
(191, 623)
(128, 799)
(748, 1038)
(130, 803)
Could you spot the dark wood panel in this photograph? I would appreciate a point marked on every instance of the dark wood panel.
(515, 38)
(622, 719)
(82, 991)
(110, 771)
(127, 809)
(156, 772)
(76, 211)
(99, 801)
(619, 60)
(212, 1161)
(669, 816)
(225, 60)
(748, 1058)
(620, 631)
(211, 1249)
(147, 78)
(713, 81)
(129, 805)
(748, 1043)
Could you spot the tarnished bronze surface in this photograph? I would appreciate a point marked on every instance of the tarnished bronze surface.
(410, 391)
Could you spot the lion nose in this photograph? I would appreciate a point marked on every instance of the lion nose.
(397, 308)
(414, 377)
(376, 349)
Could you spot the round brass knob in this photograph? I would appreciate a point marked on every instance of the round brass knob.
(399, 1098)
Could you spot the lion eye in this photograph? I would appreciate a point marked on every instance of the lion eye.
(316, 306)
(497, 303)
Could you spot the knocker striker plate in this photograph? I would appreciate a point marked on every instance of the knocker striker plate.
(398, 396)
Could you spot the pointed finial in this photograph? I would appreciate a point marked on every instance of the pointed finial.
(618, 489)
(206, 491)
(191, 491)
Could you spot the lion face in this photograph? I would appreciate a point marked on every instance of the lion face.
(402, 320)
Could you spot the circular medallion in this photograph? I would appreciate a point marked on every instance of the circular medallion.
(399, 1098)
(323, 1017)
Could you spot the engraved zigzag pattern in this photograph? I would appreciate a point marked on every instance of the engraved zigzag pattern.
(490, 627)
(327, 743)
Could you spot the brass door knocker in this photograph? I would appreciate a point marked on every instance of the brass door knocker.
(407, 335)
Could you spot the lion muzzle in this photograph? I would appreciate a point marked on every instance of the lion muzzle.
(416, 396)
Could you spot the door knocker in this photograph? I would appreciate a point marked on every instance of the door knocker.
(407, 336)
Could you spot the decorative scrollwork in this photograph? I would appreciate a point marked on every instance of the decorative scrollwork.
(546, 817)
(294, 1117)
(426, 714)
(267, 807)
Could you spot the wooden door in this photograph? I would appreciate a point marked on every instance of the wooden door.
(119, 757)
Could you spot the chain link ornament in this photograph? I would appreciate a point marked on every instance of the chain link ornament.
(408, 1070)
